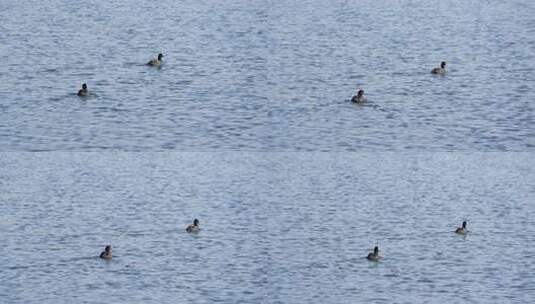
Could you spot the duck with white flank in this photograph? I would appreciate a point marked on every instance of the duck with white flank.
(462, 230)
(359, 98)
(441, 70)
(106, 254)
(83, 92)
(156, 62)
(374, 256)
(194, 227)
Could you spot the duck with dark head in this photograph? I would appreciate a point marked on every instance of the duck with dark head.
(194, 227)
(359, 98)
(440, 70)
(83, 92)
(156, 61)
(374, 256)
(462, 230)
(106, 254)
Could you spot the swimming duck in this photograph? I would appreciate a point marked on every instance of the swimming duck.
(359, 98)
(462, 230)
(156, 61)
(194, 227)
(106, 254)
(83, 92)
(374, 256)
(441, 70)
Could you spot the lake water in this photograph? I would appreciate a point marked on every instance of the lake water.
(276, 227)
(248, 126)
(256, 75)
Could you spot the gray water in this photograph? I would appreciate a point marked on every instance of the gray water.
(276, 228)
(248, 126)
(277, 75)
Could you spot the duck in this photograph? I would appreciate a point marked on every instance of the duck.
(374, 256)
(83, 92)
(441, 70)
(462, 230)
(106, 254)
(359, 98)
(194, 227)
(156, 61)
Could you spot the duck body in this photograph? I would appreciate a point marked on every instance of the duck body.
(154, 62)
(193, 228)
(438, 71)
(358, 99)
(461, 231)
(372, 257)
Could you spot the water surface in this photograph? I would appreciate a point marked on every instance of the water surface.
(258, 75)
(276, 227)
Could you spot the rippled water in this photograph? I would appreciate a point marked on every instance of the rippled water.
(276, 227)
(245, 87)
(256, 75)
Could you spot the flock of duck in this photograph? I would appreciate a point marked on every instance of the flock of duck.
(195, 228)
(375, 257)
(359, 98)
